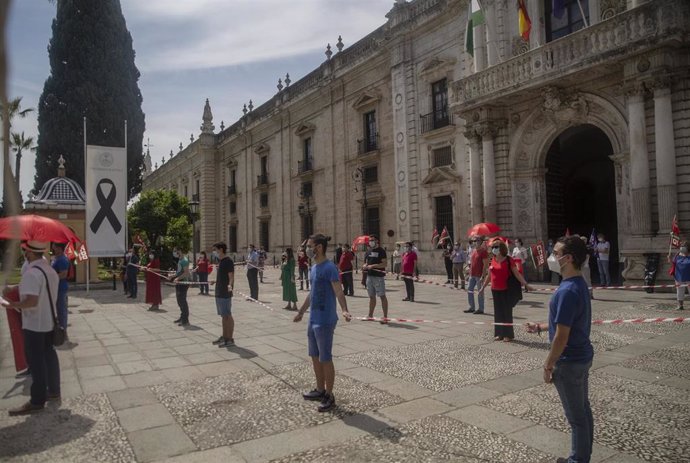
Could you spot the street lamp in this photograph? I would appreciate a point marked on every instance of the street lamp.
(194, 207)
(304, 210)
(360, 182)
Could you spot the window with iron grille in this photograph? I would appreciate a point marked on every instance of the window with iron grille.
(307, 153)
(307, 225)
(370, 141)
(233, 207)
(570, 20)
(263, 234)
(442, 156)
(439, 95)
(370, 174)
(444, 213)
(263, 200)
(232, 239)
(372, 221)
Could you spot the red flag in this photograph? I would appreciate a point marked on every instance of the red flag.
(539, 253)
(444, 236)
(675, 234)
(138, 240)
(524, 22)
(434, 237)
(69, 251)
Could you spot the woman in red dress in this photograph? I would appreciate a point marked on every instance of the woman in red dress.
(153, 282)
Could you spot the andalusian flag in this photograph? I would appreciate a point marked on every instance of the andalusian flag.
(524, 23)
(475, 17)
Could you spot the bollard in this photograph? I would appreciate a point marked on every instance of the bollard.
(114, 282)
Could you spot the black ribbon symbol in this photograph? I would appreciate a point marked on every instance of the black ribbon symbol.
(106, 210)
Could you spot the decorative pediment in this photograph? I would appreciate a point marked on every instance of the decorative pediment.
(563, 108)
(441, 174)
(437, 65)
(262, 148)
(304, 128)
(366, 99)
(196, 174)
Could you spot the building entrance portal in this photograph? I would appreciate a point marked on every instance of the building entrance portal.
(580, 189)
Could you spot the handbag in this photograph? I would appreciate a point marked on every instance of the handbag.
(59, 333)
(514, 286)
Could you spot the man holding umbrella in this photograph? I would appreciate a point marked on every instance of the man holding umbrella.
(38, 291)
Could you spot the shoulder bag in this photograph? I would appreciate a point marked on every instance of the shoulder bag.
(59, 333)
(514, 286)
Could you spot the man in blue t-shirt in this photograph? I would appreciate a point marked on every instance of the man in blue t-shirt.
(61, 266)
(571, 354)
(325, 289)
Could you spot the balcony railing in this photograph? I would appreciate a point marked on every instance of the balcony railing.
(626, 34)
(436, 120)
(369, 144)
(304, 165)
(232, 190)
(262, 179)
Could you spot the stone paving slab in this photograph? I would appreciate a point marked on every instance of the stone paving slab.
(147, 446)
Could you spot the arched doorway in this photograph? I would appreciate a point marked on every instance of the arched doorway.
(580, 188)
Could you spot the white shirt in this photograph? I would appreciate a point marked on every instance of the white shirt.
(605, 246)
(520, 253)
(33, 283)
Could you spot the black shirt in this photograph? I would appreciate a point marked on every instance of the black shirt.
(374, 256)
(225, 266)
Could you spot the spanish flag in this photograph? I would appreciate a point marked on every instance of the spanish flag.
(524, 23)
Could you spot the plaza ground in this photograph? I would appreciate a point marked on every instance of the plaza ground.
(136, 387)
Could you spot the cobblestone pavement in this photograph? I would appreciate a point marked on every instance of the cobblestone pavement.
(136, 387)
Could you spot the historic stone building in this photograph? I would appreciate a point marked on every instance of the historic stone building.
(586, 124)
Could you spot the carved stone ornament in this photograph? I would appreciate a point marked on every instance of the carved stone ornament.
(365, 100)
(519, 46)
(610, 8)
(262, 148)
(562, 109)
(304, 128)
(207, 125)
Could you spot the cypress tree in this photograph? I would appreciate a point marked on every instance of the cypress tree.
(92, 75)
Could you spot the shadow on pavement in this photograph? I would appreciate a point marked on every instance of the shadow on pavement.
(402, 325)
(192, 328)
(243, 352)
(373, 426)
(427, 303)
(21, 387)
(42, 431)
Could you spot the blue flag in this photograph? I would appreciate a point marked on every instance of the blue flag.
(558, 8)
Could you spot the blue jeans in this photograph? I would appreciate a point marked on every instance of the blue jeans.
(604, 276)
(203, 280)
(132, 284)
(474, 284)
(572, 383)
(61, 308)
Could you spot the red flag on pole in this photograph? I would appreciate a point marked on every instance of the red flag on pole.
(434, 237)
(539, 253)
(82, 254)
(444, 236)
(675, 234)
(69, 252)
(524, 21)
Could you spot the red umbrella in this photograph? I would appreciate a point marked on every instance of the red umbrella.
(483, 229)
(37, 228)
(360, 240)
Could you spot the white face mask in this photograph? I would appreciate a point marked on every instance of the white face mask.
(310, 253)
(495, 251)
(151, 256)
(554, 263)
(176, 254)
(405, 249)
(214, 254)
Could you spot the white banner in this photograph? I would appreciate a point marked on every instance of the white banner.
(106, 200)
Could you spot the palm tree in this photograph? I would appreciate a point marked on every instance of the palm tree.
(14, 108)
(20, 143)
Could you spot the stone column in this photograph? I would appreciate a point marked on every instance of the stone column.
(479, 38)
(491, 41)
(639, 164)
(476, 200)
(594, 12)
(488, 132)
(666, 180)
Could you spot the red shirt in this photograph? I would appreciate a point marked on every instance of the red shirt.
(346, 259)
(302, 261)
(202, 265)
(477, 262)
(408, 260)
(500, 271)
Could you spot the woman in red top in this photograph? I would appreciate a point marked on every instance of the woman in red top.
(499, 272)
(202, 271)
(303, 268)
(153, 282)
(345, 267)
(409, 262)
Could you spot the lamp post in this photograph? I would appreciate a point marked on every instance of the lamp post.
(305, 210)
(194, 207)
(360, 182)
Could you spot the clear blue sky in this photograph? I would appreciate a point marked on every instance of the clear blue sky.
(229, 51)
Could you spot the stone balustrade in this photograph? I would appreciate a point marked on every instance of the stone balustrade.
(623, 35)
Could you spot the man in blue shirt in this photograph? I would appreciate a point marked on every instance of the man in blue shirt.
(570, 358)
(325, 288)
(61, 266)
(182, 277)
(253, 272)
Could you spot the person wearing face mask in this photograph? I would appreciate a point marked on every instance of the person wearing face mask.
(346, 268)
(479, 264)
(287, 279)
(202, 272)
(680, 265)
(500, 269)
(225, 282)
(409, 262)
(397, 260)
(153, 282)
(603, 251)
(323, 317)
(375, 266)
(448, 262)
(253, 273)
(459, 257)
(520, 256)
(303, 268)
(570, 357)
(132, 272)
(182, 277)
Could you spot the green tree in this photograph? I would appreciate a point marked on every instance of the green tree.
(20, 143)
(165, 219)
(7, 114)
(92, 76)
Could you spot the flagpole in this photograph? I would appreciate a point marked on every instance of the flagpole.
(126, 190)
(488, 28)
(88, 261)
(582, 12)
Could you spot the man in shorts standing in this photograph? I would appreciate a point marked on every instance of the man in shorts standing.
(375, 266)
(225, 282)
(325, 289)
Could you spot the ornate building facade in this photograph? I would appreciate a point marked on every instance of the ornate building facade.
(584, 125)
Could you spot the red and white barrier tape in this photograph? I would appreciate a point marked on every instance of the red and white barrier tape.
(462, 322)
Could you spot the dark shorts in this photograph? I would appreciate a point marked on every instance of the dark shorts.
(223, 306)
(321, 341)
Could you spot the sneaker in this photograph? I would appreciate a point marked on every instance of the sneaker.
(184, 323)
(406, 299)
(468, 311)
(327, 403)
(314, 394)
(227, 343)
(478, 312)
(220, 340)
(23, 374)
(178, 320)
